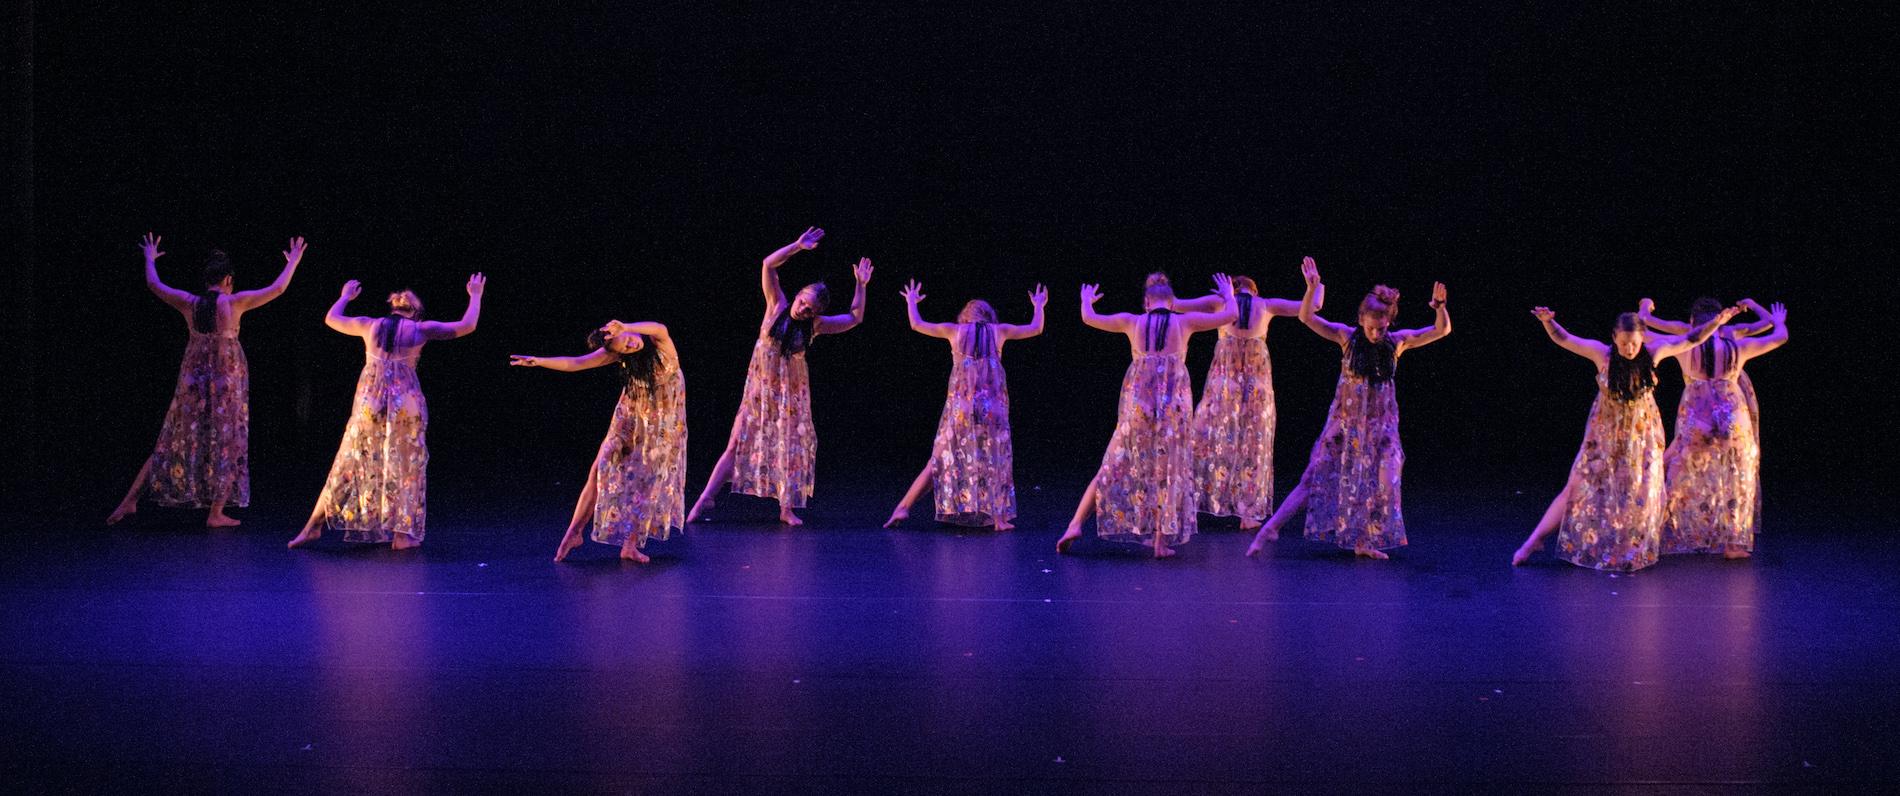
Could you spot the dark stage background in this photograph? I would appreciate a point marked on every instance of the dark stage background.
(599, 161)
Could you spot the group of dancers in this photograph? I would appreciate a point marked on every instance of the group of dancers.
(1169, 460)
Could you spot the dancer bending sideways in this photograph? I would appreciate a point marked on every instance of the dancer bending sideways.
(1712, 469)
(377, 486)
(1610, 511)
(1234, 424)
(202, 459)
(1144, 491)
(636, 488)
(970, 467)
(1350, 490)
(773, 448)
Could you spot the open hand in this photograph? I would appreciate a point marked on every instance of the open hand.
(294, 254)
(863, 271)
(913, 291)
(1309, 271)
(1224, 285)
(809, 240)
(1438, 294)
(1778, 312)
(352, 289)
(1544, 314)
(1039, 296)
(522, 361)
(1091, 294)
(476, 282)
(150, 246)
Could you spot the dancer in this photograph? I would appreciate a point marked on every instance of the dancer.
(202, 459)
(1350, 490)
(773, 447)
(1712, 468)
(1145, 487)
(970, 467)
(636, 488)
(377, 486)
(1611, 507)
(1234, 424)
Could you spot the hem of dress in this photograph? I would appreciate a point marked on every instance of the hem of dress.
(1333, 539)
(198, 504)
(797, 501)
(973, 519)
(620, 539)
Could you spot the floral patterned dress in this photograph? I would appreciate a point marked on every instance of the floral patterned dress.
(1352, 476)
(378, 483)
(775, 447)
(203, 452)
(640, 473)
(1233, 431)
(1615, 515)
(1146, 483)
(1713, 466)
(974, 483)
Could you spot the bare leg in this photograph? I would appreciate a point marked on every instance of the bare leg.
(583, 512)
(1545, 526)
(917, 487)
(1082, 512)
(313, 527)
(721, 473)
(217, 518)
(130, 505)
(1270, 532)
(1161, 548)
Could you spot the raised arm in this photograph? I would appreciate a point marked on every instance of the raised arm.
(178, 299)
(1596, 352)
(1646, 310)
(834, 324)
(768, 270)
(348, 324)
(1209, 303)
(1291, 307)
(1441, 325)
(1038, 298)
(593, 359)
(914, 295)
(1228, 311)
(252, 299)
(1664, 347)
(1309, 306)
(1114, 322)
(1777, 318)
(437, 330)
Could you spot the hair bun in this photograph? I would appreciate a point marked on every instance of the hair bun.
(1386, 294)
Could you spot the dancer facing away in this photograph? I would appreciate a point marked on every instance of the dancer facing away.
(377, 488)
(970, 467)
(202, 458)
(1611, 507)
(1234, 424)
(773, 447)
(1712, 467)
(1145, 488)
(1350, 490)
(636, 488)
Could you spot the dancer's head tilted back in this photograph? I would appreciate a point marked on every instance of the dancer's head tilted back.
(811, 301)
(977, 311)
(1377, 311)
(218, 279)
(636, 356)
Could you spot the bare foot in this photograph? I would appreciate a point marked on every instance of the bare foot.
(1004, 525)
(1367, 552)
(306, 537)
(1248, 525)
(1260, 541)
(791, 520)
(570, 540)
(699, 508)
(1522, 555)
(1068, 538)
(1163, 551)
(123, 511)
(404, 541)
(630, 553)
(1734, 553)
(898, 516)
(221, 521)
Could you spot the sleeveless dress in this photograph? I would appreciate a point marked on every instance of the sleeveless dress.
(1713, 466)
(1352, 476)
(378, 484)
(775, 447)
(974, 484)
(1233, 428)
(1146, 482)
(202, 456)
(1615, 515)
(640, 472)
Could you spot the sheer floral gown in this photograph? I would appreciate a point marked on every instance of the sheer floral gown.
(1352, 477)
(1146, 483)
(1234, 423)
(1713, 466)
(377, 487)
(974, 483)
(640, 473)
(202, 457)
(1614, 517)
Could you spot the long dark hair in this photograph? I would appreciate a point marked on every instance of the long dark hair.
(640, 367)
(402, 304)
(793, 335)
(1374, 362)
(1157, 322)
(1244, 293)
(1633, 378)
(204, 310)
(1701, 312)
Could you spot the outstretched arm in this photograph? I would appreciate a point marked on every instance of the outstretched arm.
(1777, 318)
(1441, 326)
(178, 299)
(1228, 311)
(768, 270)
(1646, 310)
(594, 359)
(1309, 306)
(1592, 350)
(1664, 347)
(252, 299)
(1291, 307)
(1114, 322)
(348, 324)
(834, 324)
(436, 330)
(1038, 298)
(914, 295)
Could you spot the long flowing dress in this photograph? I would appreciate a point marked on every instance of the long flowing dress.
(1352, 476)
(974, 483)
(775, 447)
(378, 484)
(1713, 466)
(1615, 514)
(1233, 431)
(1146, 482)
(640, 473)
(203, 452)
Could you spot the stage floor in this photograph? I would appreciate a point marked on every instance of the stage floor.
(842, 659)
